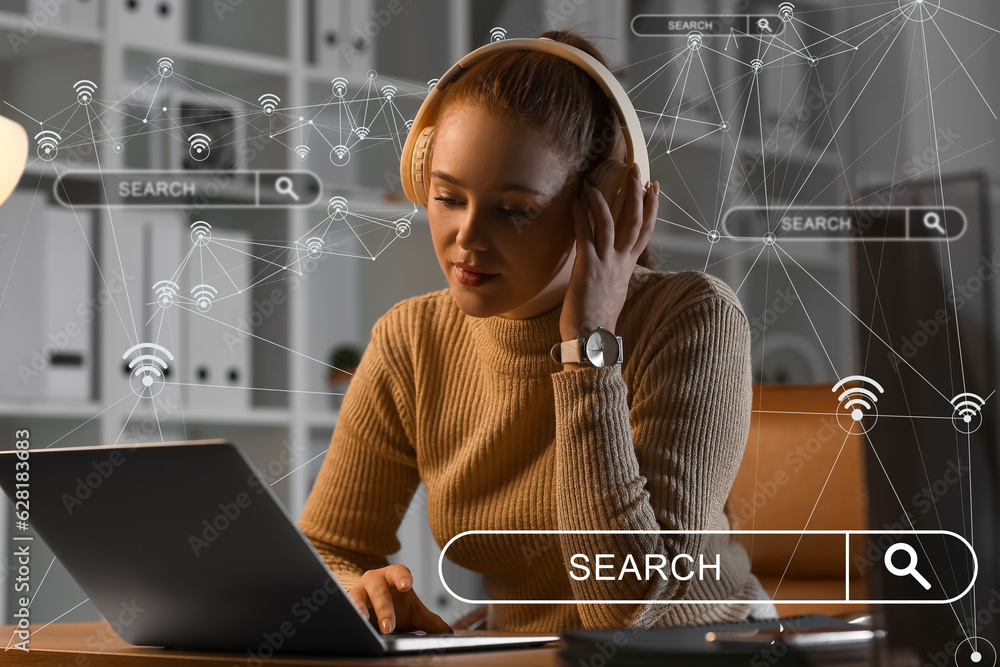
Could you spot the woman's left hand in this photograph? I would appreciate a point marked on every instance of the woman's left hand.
(606, 256)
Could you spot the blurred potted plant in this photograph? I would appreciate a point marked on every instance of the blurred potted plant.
(344, 359)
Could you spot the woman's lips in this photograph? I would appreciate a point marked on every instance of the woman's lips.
(471, 279)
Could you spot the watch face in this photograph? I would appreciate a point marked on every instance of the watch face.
(602, 348)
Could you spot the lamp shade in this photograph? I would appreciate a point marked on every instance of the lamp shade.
(13, 155)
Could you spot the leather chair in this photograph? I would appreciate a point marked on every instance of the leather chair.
(801, 470)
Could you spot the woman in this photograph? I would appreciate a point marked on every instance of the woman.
(458, 388)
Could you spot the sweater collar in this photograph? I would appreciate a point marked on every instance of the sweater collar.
(518, 347)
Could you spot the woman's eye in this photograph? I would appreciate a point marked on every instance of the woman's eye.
(445, 201)
(512, 213)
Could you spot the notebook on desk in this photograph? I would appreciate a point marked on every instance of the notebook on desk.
(798, 640)
(188, 540)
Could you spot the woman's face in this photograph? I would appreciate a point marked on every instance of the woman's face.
(499, 203)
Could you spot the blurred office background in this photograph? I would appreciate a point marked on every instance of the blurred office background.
(830, 132)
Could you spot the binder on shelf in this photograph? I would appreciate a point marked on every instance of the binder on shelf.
(48, 349)
(68, 13)
(338, 40)
(68, 272)
(218, 344)
(159, 23)
(166, 241)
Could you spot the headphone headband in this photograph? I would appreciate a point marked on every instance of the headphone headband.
(417, 141)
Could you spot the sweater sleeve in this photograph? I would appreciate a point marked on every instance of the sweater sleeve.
(370, 472)
(668, 463)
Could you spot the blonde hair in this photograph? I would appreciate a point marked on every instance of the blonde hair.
(553, 95)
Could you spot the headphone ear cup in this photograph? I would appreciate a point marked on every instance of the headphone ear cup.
(421, 162)
(610, 177)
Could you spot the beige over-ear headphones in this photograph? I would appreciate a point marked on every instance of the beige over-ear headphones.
(610, 175)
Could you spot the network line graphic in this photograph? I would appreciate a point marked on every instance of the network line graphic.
(769, 100)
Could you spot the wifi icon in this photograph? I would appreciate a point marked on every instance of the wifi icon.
(860, 401)
(968, 409)
(431, 84)
(84, 91)
(362, 131)
(389, 92)
(339, 86)
(204, 295)
(337, 208)
(147, 369)
(201, 233)
(48, 144)
(786, 11)
(268, 102)
(497, 34)
(340, 155)
(165, 291)
(302, 151)
(165, 66)
(314, 247)
(402, 228)
(200, 147)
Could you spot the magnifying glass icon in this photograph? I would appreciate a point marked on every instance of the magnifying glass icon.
(933, 221)
(284, 187)
(911, 566)
(763, 25)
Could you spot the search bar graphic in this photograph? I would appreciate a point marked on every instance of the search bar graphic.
(133, 188)
(923, 566)
(676, 25)
(846, 224)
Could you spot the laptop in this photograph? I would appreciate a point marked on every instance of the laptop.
(183, 545)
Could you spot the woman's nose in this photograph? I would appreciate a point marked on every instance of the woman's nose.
(472, 231)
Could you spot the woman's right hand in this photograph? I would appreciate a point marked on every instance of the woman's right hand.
(386, 595)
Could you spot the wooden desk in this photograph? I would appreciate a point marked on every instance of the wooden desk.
(96, 645)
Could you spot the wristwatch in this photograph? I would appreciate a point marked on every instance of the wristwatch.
(599, 348)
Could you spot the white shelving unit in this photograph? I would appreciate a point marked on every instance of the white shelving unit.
(295, 53)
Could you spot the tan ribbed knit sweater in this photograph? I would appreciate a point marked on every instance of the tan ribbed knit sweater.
(504, 438)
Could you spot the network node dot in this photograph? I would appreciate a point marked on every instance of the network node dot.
(148, 380)
(857, 415)
(144, 120)
(976, 656)
(770, 238)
